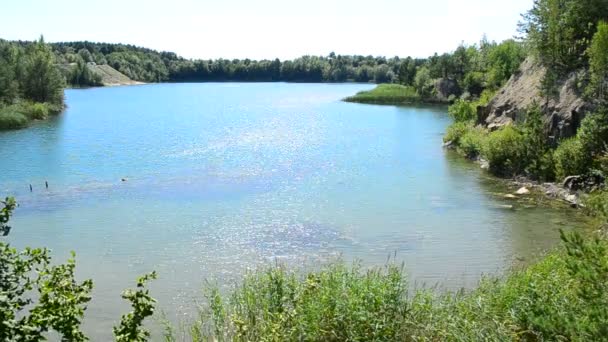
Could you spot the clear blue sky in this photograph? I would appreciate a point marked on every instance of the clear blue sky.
(267, 28)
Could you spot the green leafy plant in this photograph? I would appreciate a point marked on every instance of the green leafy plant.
(505, 151)
(131, 327)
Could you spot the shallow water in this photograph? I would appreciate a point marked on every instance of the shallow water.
(222, 177)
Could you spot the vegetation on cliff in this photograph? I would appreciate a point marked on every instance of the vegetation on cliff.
(567, 39)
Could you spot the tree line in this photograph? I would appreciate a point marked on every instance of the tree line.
(472, 67)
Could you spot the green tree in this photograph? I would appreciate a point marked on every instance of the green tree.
(407, 71)
(42, 80)
(598, 61)
(8, 82)
(422, 82)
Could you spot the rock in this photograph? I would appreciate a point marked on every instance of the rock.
(504, 206)
(448, 144)
(572, 199)
(522, 191)
(484, 164)
(510, 196)
(586, 182)
(562, 114)
(444, 88)
(573, 182)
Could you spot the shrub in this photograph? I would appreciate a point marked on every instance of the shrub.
(593, 133)
(38, 111)
(570, 158)
(597, 205)
(463, 110)
(12, 120)
(456, 131)
(471, 142)
(505, 151)
(538, 157)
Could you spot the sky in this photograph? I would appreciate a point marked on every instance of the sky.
(267, 29)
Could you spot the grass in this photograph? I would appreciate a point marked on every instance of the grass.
(563, 297)
(20, 114)
(387, 94)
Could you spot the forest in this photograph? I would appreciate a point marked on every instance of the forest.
(31, 84)
(472, 68)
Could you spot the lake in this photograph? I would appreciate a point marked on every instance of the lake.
(225, 177)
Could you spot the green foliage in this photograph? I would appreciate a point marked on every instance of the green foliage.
(423, 82)
(9, 87)
(570, 159)
(538, 156)
(407, 72)
(61, 300)
(462, 110)
(8, 205)
(456, 131)
(82, 76)
(12, 120)
(577, 155)
(598, 61)
(471, 142)
(42, 81)
(560, 31)
(505, 151)
(38, 111)
(31, 85)
(587, 263)
(336, 304)
(386, 94)
(597, 205)
(593, 133)
(562, 297)
(131, 328)
(503, 60)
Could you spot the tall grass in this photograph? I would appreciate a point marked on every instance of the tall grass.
(564, 297)
(386, 94)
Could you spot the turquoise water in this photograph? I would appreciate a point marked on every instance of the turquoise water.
(222, 177)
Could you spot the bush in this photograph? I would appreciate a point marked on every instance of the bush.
(38, 111)
(597, 205)
(538, 156)
(463, 110)
(505, 151)
(12, 120)
(456, 131)
(570, 159)
(471, 142)
(593, 133)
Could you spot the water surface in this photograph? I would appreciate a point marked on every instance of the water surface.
(222, 177)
